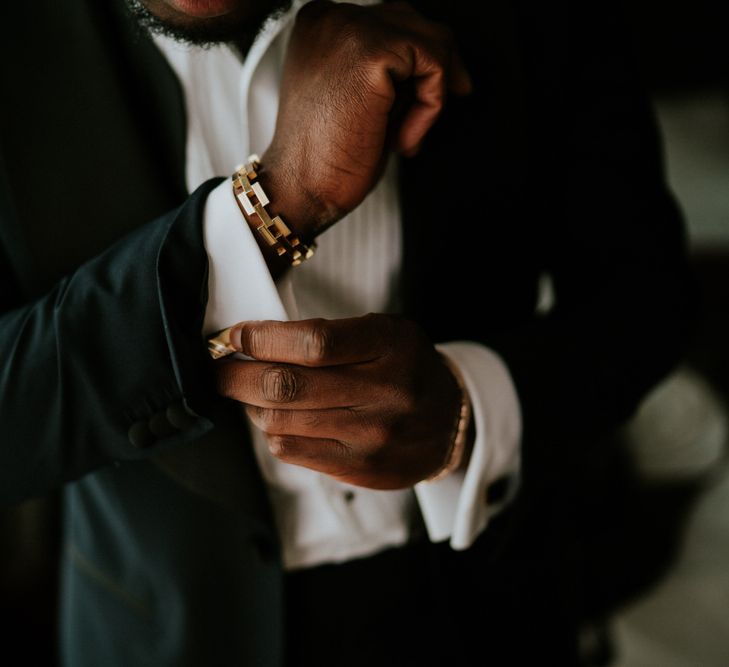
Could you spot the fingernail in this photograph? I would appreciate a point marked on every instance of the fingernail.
(235, 337)
(411, 152)
(465, 85)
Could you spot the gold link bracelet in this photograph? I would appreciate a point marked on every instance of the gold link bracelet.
(252, 201)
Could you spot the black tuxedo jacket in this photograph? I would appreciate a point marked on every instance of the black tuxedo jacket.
(551, 167)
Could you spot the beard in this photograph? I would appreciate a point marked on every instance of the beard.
(238, 28)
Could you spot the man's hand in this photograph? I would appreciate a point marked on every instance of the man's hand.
(367, 400)
(357, 82)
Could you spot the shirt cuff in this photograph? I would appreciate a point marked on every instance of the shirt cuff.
(240, 286)
(459, 506)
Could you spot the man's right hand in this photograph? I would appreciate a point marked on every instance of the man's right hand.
(357, 83)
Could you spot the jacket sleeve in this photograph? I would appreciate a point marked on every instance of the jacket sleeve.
(109, 365)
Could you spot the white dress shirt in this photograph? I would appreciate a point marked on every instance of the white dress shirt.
(231, 112)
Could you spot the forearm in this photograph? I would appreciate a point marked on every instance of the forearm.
(92, 371)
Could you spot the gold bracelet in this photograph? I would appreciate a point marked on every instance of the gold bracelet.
(458, 445)
(252, 201)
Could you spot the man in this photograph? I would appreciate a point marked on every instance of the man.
(378, 500)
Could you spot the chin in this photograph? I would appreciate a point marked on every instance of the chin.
(205, 22)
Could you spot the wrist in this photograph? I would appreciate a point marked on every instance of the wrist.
(298, 194)
(281, 245)
(463, 434)
(287, 199)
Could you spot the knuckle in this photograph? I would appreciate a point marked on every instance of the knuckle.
(374, 459)
(311, 11)
(271, 420)
(392, 325)
(383, 432)
(336, 20)
(410, 335)
(360, 55)
(280, 384)
(344, 455)
(401, 7)
(225, 380)
(405, 396)
(376, 319)
(385, 330)
(280, 446)
(253, 340)
(316, 342)
(310, 419)
(409, 402)
(258, 415)
(340, 458)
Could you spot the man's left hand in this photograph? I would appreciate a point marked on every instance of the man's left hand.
(367, 400)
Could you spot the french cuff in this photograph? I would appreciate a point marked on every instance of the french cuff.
(240, 286)
(459, 506)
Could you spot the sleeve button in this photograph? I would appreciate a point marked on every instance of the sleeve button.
(498, 490)
(179, 417)
(160, 425)
(140, 435)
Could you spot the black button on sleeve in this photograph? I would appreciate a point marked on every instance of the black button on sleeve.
(161, 426)
(498, 490)
(140, 435)
(180, 417)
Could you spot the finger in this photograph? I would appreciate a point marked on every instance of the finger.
(293, 387)
(316, 342)
(429, 79)
(440, 40)
(428, 103)
(431, 89)
(346, 424)
(338, 459)
(459, 79)
(429, 59)
(331, 457)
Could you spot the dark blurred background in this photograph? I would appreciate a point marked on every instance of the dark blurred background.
(681, 618)
(672, 541)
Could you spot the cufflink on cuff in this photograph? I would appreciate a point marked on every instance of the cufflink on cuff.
(219, 344)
